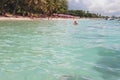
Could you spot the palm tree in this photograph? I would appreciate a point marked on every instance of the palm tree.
(16, 6)
(53, 6)
(32, 5)
(47, 7)
(2, 7)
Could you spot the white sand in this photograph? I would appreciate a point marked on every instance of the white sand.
(30, 19)
(14, 18)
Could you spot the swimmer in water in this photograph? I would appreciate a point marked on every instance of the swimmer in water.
(75, 22)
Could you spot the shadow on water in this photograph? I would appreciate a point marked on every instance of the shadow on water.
(109, 64)
(68, 77)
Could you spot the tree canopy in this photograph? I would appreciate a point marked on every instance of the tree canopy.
(46, 7)
(81, 13)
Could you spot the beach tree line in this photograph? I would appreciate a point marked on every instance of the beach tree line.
(26, 7)
(41, 7)
(82, 13)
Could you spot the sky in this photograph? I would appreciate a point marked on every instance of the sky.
(104, 7)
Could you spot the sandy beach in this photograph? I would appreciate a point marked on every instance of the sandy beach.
(30, 19)
(14, 18)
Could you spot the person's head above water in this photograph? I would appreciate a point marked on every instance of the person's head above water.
(75, 22)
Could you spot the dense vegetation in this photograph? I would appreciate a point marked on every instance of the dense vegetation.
(44, 7)
(81, 13)
(26, 7)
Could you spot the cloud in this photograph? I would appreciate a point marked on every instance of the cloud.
(106, 7)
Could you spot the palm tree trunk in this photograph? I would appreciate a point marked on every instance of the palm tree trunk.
(2, 7)
(31, 8)
(14, 11)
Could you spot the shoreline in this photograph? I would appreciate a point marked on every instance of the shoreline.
(31, 19)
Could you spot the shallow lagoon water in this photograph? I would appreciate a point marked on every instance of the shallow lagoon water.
(58, 50)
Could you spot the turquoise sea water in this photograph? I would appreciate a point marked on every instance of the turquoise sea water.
(58, 50)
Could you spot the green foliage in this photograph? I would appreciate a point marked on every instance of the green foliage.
(46, 7)
(81, 13)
